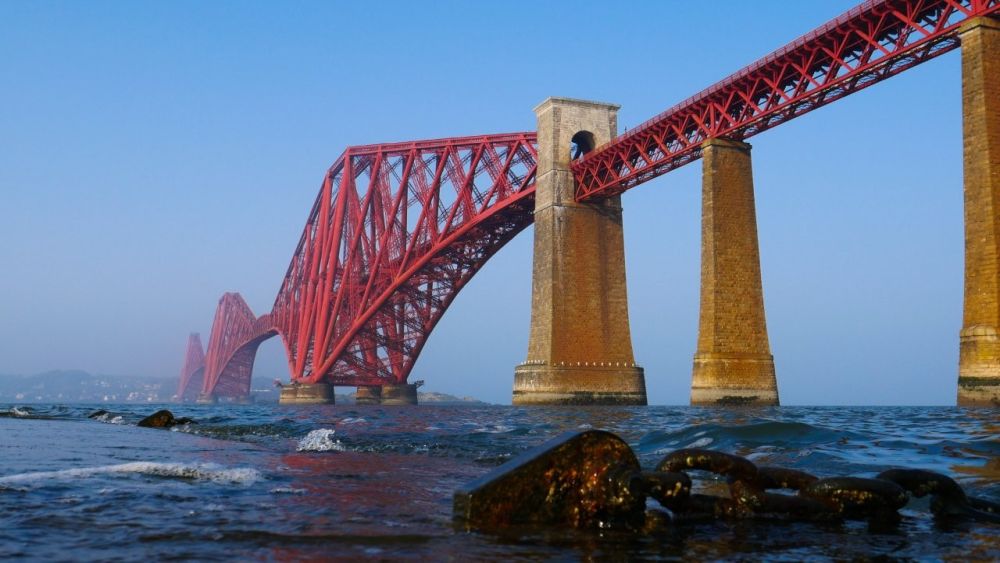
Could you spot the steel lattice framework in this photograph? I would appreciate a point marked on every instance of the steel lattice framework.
(398, 229)
(193, 371)
(396, 232)
(872, 42)
(232, 347)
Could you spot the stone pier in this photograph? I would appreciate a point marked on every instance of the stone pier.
(979, 351)
(580, 347)
(733, 363)
(306, 394)
(404, 394)
(368, 395)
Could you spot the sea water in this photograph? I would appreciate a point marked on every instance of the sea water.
(349, 482)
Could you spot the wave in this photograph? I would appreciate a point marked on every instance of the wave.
(320, 440)
(194, 472)
(110, 418)
(17, 412)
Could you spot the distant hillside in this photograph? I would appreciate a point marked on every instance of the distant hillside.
(72, 386)
(432, 398)
(423, 398)
(78, 386)
(262, 394)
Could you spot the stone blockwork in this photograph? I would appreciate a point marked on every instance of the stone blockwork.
(733, 363)
(305, 394)
(403, 394)
(979, 352)
(580, 347)
(368, 395)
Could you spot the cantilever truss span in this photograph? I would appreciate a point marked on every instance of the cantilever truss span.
(193, 371)
(395, 233)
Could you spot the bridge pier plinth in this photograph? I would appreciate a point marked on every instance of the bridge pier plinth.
(307, 394)
(206, 399)
(733, 363)
(580, 346)
(405, 394)
(368, 395)
(979, 349)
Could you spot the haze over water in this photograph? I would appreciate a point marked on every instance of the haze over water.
(272, 482)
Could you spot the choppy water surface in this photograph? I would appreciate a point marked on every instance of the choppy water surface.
(272, 482)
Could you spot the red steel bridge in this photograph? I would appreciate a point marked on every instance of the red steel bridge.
(397, 230)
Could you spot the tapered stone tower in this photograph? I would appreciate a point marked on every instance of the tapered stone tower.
(979, 352)
(580, 347)
(733, 364)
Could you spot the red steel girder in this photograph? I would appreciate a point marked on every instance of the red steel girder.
(193, 371)
(236, 334)
(396, 232)
(873, 41)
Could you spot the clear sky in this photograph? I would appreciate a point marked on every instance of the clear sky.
(156, 155)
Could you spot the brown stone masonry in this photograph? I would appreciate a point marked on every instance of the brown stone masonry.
(733, 363)
(580, 347)
(979, 352)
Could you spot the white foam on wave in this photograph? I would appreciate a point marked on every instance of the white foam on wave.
(287, 491)
(110, 419)
(320, 440)
(198, 472)
(493, 429)
(700, 443)
(350, 420)
(18, 411)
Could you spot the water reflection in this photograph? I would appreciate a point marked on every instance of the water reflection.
(388, 494)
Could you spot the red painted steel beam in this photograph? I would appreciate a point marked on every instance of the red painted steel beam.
(872, 42)
(193, 371)
(395, 233)
(236, 334)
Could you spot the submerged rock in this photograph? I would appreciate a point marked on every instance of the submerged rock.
(98, 413)
(164, 419)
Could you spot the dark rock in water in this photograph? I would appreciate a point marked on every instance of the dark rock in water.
(98, 413)
(159, 419)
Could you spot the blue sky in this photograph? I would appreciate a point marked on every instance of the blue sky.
(155, 155)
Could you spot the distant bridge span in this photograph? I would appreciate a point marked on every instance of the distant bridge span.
(398, 229)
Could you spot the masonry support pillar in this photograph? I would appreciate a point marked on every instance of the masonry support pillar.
(580, 347)
(400, 394)
(979, 351)
(733, 364)
(307, 394)
(368, 395)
